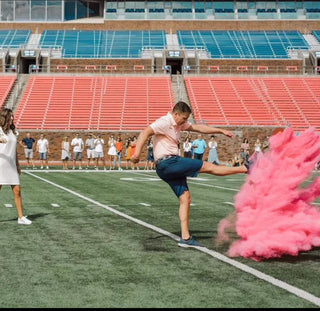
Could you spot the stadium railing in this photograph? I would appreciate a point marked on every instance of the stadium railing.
(203, 69)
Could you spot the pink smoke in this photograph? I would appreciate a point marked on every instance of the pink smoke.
(274, 213)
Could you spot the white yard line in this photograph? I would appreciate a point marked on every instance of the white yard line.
(229, 203)
(145, 204)
(291, 289)
(194, 181)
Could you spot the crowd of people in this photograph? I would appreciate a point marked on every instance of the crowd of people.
(98, 152)
(111, 153)
(197, 148)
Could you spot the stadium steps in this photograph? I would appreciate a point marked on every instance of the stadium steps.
(179, 89)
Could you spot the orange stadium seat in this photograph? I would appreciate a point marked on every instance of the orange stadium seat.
(100, 103)
(255, 101)
(6, 84)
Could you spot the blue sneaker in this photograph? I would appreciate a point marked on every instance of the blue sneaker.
(189, 243)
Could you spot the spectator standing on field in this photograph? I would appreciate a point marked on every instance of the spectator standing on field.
(98, 152)
(150, 157)
(128, 151)
(246, 149)
(65, 152)
(112, 152)
(27, 144)
(133, 149)
(43, 149)
(119, 146)
(213, 154)
(199, 146)
(187, 148)
(77, 144)
(90, 149)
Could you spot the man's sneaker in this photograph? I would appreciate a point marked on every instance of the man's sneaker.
(24, 221)
(191, 242)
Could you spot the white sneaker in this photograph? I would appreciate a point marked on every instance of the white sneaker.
(47, 167)
(24, 221)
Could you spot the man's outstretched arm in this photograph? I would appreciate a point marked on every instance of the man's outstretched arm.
(205, 129)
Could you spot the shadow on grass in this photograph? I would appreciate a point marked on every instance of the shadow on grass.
(31, 217)
(160, 242)
(302, 256)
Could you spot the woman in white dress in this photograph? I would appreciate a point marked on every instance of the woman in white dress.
(9, 165)
(187, 147)
(112, 152)
(65, 152)
(213, 154)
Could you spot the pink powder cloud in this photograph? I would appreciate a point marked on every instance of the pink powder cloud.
(274, 211)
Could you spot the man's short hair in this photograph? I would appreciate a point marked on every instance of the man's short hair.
(182, 107)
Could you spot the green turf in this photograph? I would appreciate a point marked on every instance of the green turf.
(82, 255)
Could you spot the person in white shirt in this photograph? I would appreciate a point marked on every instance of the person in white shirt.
(77, 144)
(90, 149)
(98, 152)
(43, 149)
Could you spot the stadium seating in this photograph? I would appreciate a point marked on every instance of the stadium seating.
(131, 103)
(243, 44)
(97, 103)
(316, 33)
(102, 44)
(14, 38)
(256, 101)
(6, 84)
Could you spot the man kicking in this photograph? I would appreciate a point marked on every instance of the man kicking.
(174, 169)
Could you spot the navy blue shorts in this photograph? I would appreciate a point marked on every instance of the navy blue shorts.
(175, 171)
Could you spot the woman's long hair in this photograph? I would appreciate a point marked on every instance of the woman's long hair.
(5, 120)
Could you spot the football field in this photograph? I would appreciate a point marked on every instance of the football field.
(109, 239)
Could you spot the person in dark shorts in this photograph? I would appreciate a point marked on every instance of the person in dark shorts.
(174, 169)
(27, 144)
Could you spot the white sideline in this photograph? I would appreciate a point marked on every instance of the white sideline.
(291, 289)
